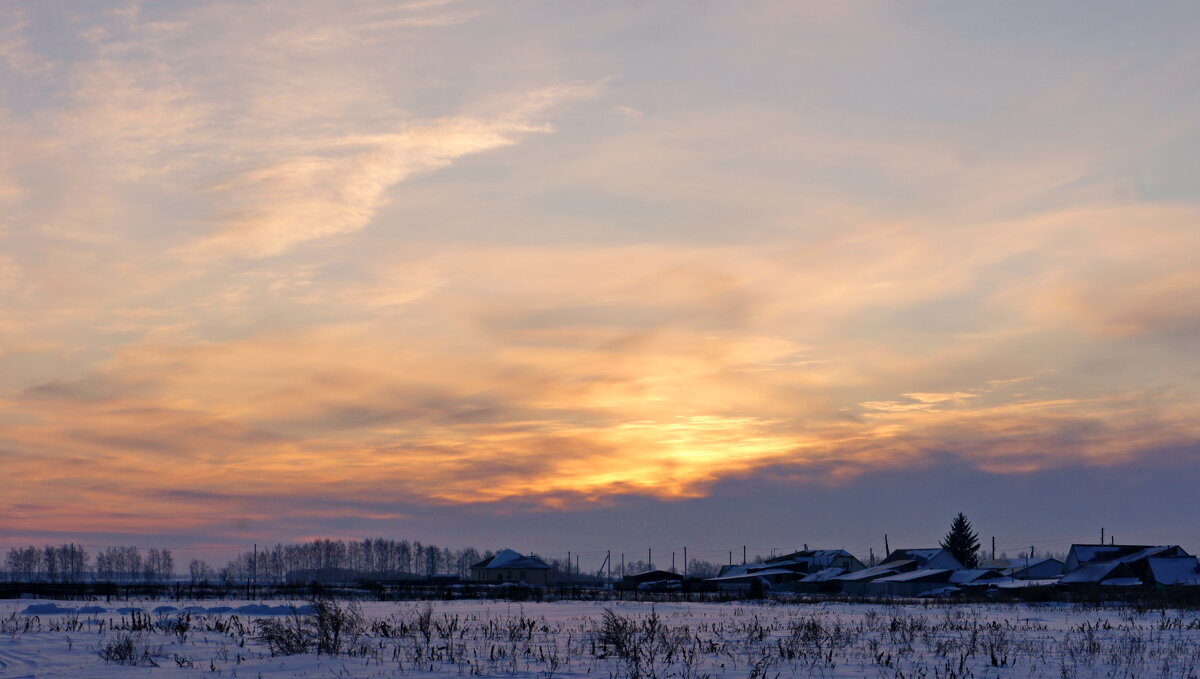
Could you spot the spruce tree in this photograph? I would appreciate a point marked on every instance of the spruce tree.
(962, 542)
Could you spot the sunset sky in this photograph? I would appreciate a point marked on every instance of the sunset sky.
(614, 275)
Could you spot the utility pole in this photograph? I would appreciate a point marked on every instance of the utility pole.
(743, 555)
(993, 548)
(672, 561)
(254, 571)
(685, 562)
(649, 559)
(731, 557)
(872, 550)
(1101, 534)
(608, 560)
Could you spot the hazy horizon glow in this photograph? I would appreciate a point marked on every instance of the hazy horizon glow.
(298, 269)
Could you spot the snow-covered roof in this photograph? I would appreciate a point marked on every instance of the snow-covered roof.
(737, 569)
(1161, 550)
(812, 556)
(1175, 570)
(1085, 554)
(508, 558)
(1020, 563)
(931, 557)
(823, 575)
(1090, 573)
(973, 574)
(917, 575)
(875, 571)
(765, 572)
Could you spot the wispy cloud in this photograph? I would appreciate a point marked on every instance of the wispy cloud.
(310, 196)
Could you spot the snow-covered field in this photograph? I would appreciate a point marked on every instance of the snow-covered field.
(584, 639)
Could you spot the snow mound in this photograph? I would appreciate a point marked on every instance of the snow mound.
(47, 609)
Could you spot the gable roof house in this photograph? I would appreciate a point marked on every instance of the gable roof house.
(1082, 554)
(511, 566)
(1172, 571)
(1116, 565)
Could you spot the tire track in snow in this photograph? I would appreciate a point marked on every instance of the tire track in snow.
(14, 665)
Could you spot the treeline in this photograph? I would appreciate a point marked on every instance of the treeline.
(384, 558)
(378, 558)
(72, 563)
(372, 557)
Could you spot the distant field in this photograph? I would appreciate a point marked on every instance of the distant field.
(586, 639)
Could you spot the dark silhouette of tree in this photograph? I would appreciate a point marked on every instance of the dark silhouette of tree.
(962, 542)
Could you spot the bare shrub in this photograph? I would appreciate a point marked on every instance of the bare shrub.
(339, 629)
(123, 650)
(330, 629)
(289, 635)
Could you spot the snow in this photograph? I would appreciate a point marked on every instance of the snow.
(53, 640)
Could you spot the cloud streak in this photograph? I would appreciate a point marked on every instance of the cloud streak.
(304, 197)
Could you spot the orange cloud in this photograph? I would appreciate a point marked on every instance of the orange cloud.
(489, 386)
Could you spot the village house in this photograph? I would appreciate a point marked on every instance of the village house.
(805, 570)
(1118, 565)
(813, 560)
(1083, 554)
(511, 566)
(1172, 571)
